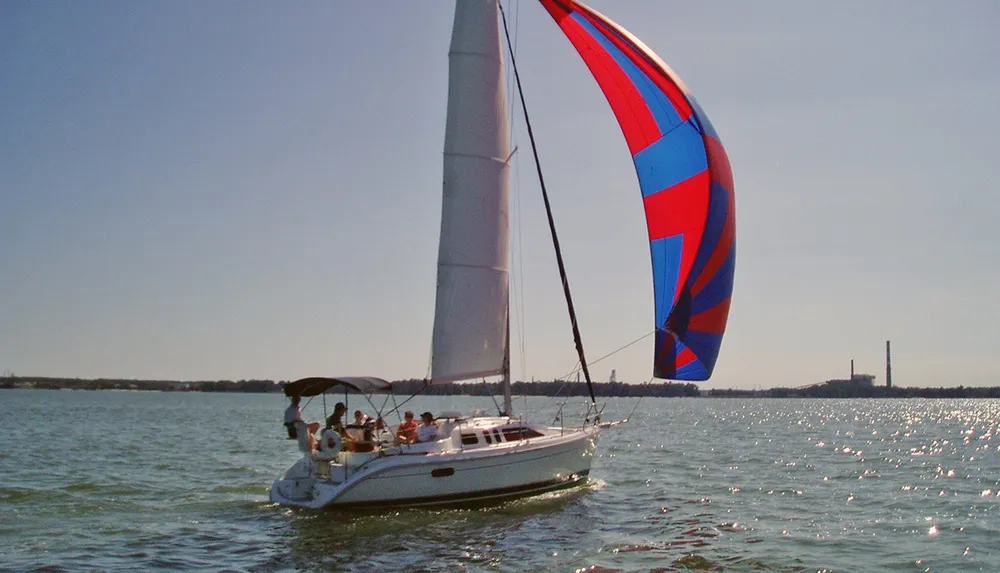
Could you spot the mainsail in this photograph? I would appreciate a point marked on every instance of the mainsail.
(470, 314)
(686, 184)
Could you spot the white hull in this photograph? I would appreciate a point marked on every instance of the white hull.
(444, 472)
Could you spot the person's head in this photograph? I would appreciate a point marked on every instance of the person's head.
(427, 418)
(339, 409)
(359, 415)
(408, 416)
(295, 400)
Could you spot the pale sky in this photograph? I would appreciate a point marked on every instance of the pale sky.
(225, 190)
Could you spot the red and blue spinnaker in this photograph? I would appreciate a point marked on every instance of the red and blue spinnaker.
(686, 184)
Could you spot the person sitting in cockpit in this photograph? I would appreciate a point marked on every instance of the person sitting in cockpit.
(335, 420)
(360, 436)
(360, 429)
(406, 433)
(427, 431)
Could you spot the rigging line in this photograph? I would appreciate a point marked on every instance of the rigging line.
(517, 18)
(515, 7)
(616, 351)
(551, 398)
(520, 226)
(512, 279)
(637, 402)
(559, 391)
(577, 339)
(518, 286)
(508, 408)
(396, 408)
(309, 401)
(494, 398)
(510, 87)
(414, 395)
(517, 279)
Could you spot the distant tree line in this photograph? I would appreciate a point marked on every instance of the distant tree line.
(401, 387)
(45, 383)
(829, 389)
(547, 388)
(840, 389)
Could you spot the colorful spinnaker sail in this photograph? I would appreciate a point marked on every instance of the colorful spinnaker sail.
(686, 184)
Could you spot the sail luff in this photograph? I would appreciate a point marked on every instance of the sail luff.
(470, 316)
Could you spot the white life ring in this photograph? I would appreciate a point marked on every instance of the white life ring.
(330, 443)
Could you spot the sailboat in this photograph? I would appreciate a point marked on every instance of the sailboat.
(687, 189)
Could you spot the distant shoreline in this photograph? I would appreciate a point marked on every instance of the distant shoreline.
(828, 389)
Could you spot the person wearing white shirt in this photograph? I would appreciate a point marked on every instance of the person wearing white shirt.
(293, 417)
(428, 430)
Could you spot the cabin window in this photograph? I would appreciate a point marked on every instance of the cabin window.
(442, 472)
(515, 434)
(470, 439)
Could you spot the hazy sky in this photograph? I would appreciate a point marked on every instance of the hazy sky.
(208, 190)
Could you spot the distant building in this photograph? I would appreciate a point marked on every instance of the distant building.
(864, 379)
(856, 380)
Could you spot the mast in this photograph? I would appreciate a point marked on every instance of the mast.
(508, 403)
(577, 339)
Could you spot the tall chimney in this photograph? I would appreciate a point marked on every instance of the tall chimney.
(888, 366)
(852, 369)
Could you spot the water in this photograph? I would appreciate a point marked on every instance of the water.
(112, 481)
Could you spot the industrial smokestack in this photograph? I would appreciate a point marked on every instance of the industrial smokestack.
(852, 369)
(888, 366)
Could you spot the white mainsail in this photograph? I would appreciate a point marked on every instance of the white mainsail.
(470, 315)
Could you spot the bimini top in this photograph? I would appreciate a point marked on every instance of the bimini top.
(315, 386)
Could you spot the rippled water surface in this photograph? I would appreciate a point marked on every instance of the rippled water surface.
(105, 481)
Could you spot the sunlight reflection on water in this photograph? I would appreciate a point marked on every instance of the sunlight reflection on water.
(714, 484)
